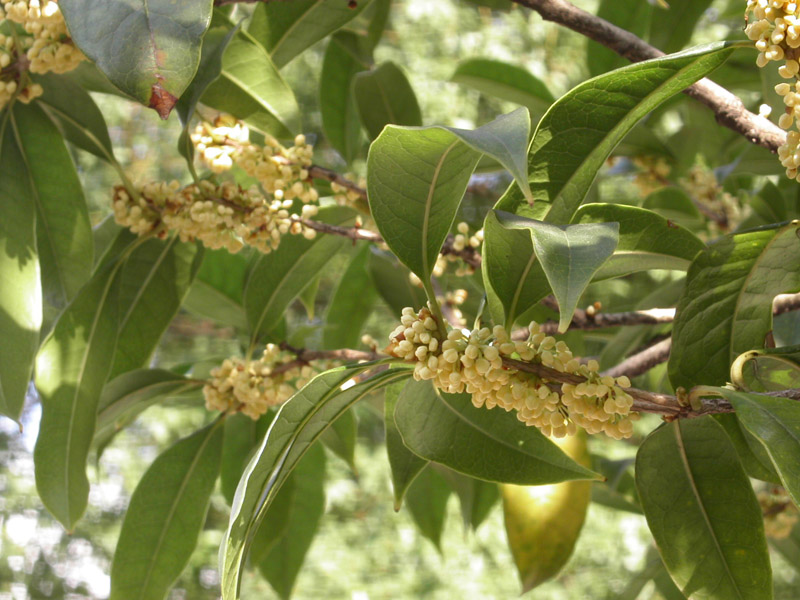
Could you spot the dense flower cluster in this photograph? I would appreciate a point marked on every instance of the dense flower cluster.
(703, 187)
(219, 215)
(46, 48)
(252, 387)
(651, 174)
(780, 514)
(776, 33)
(472, 362)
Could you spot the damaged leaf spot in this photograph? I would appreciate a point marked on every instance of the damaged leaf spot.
(161, 100)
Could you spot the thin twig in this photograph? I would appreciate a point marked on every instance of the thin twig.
(643, 361)
(318, 172)
(729, 110)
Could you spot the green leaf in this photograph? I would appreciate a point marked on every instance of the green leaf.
(646, 240)
(426, 499)
(340, 438)
(570, 256)
(241, 438)
(789, 547)
(581, 129)
(631, 15)
(751, 453)
(252, 89)
(71, 368)
(506, 81)
(703, 513)
(308, 297)
(767, 370)
(618, 491)
(672, 29)
(278, 278)
(726, 308)
(351, 304)
(286, 29)
(20, 310)
(127, 396)
(281, 564)
(448, 429)
(149, 49)
(337, 102)
(216, 291)
(76, 115)
(392, 282)
(476, 497)
(296, 426)
(383, 97)
(775, 423)
(63, 232)
(152, 285)
(165, 517)
(404, 464)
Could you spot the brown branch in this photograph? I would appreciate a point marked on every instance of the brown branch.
(304, 357)
(318, 172)
(729, 110)
(643, 361)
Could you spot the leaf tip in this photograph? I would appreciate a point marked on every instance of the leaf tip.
(161, 100)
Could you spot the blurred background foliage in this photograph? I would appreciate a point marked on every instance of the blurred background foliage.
(363, 549)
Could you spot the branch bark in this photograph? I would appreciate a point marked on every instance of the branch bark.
(729, 110)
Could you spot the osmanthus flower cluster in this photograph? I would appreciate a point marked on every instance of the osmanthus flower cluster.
(44, 47)
(704, 188)
(253, 386)
(219, 215)
(776, 33)
(472, 362)
(461, 241)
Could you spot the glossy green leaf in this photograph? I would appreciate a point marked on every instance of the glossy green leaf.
(63, 232)
(703, 513)
(631, 15)
(426, 500)
(506, 81)
(251, 89)
(672, 29)
(752, 455)
(281, 564)
(76, 115)
(242, 436)
(165, 517)
(71, 368)
(726, 308)
(217, 289)
(391, 280)
(152, 285)
(127, 396)
(278, 277)
(20, 311)
(404, 464)
(296, 426)
(385, 97)
(285, 29)
(340, 438)
(581, 129)
(149, 49)
(646, 240)
(767, 370)
(775, 423)
(337, 102)
(570, 256)
(351, 304)
(448, 429)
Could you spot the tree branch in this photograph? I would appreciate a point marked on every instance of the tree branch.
(643, 361)
(729, 110)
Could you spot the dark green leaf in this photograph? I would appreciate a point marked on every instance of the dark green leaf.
(426, 499)
(216, 291)
(71, 368)
(351, 304)
(405, 465)
(674, 204)
(726, 308)
(672, 29)
(618, 491)
(570, 256)
(631, 15)
(703, 513)
(165, 517)
(752, 455)
(296, 426)
(20, 310)
(340, 438)
(281, 564)
(285, 29)
(775, 423)
(448, 429)
(149, 49)
(278, 277)
(383, 97)
(241, 438)
(476, 497)
(392, 282)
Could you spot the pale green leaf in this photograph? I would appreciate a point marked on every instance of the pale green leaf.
(385, 97)
(351, 304)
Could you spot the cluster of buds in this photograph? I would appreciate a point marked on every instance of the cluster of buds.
(651, 174)
(218, 215)
(703, 187)
(46, 48)
(780, 514)
(473, 362)
(345, 196)
(776, 33)
(252, 387)
(281, 171)
(462, 240)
